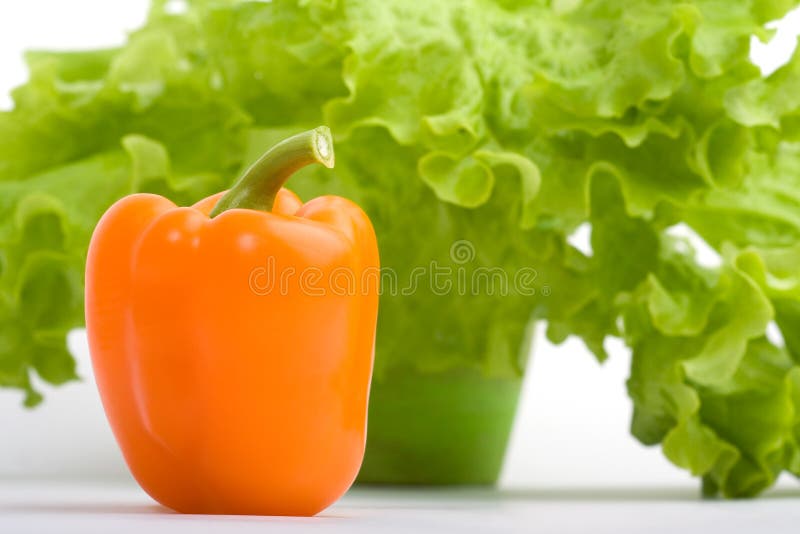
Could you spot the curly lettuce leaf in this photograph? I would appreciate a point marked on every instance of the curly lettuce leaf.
(705, 382)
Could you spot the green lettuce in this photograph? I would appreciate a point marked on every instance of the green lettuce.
(503, 124)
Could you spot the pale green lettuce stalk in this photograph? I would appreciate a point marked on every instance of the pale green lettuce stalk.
(507, 124)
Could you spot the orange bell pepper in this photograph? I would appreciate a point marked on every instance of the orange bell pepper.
(225, 397)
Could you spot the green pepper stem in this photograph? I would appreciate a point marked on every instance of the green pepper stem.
(259, 185)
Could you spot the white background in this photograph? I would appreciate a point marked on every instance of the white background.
(572, 426)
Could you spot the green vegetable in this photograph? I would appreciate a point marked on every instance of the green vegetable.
(504, 124)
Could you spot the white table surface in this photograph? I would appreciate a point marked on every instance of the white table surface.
(42, 507)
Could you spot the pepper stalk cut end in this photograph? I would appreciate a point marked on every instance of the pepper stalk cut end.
(259, 185)
(323, 143)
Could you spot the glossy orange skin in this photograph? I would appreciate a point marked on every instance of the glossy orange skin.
(224, 399)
